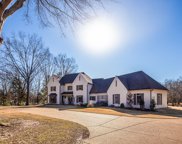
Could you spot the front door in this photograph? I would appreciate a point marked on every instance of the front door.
(67, 100)
(52, 98)
(70, 100)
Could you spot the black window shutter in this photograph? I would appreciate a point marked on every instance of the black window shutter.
(134, 99)
(113, 99)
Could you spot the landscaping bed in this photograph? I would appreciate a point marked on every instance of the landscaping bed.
(23, 128)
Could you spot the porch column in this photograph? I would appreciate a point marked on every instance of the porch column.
(58, 99)
(48, 101)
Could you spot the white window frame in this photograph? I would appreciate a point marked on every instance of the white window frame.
(159, 102)
(136, 98)
(102, 98)
(114, 99)
(77, 97)
(93, 97)
(79, 87)
(53, 88)
(69, 87)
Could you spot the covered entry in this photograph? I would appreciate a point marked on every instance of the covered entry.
(67, 98)
(52, 98)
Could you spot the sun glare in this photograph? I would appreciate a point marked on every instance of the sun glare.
(99, 36)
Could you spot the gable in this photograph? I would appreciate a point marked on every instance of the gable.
(53, 79)
(81, 78)
(117, 87)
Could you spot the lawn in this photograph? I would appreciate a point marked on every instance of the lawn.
(23, 128)
(165, 113)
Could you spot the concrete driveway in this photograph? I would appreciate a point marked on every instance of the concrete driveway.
(109, 129)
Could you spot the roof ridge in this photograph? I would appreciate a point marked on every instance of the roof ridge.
(132, 73)
(70, 74)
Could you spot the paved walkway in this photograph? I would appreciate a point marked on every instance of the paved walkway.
(109, 129)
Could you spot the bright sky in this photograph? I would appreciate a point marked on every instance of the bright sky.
(136, 35)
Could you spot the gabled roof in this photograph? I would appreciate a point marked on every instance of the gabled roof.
(54, 76)
(101, 85)
(68, 78)
(140, 80)
(87, 78)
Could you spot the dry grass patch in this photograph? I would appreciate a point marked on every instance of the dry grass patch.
(27, 128)
(161, 114)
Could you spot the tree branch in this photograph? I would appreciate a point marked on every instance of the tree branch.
(3, 5)
(17, 5)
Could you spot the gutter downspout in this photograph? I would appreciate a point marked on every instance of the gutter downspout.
(87, 92)
(151, 94)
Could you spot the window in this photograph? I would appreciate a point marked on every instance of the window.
(116, 99)
(102, 98)
(79, 99)
(137, 98)
(53, 79)
(53, 88)
(116, 83)
(159, 99)
(92, 98)
(79, 77)
(69, 87)
(79, 87)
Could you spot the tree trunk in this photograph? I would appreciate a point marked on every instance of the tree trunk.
(6, 11)
(1, 26)
(28, 92)
(37, 99)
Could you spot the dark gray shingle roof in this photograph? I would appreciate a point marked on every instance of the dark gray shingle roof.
(140, 80)
(69, 78)
(101, 85)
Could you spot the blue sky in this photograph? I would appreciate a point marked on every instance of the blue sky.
(152, 30)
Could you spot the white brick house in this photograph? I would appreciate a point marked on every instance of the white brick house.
(79, 88)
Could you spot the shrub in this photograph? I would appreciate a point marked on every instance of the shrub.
(122, 105)
(84, 105)
(90, 105)
(152, 105)
(6, 103)
(142, 104)
(102, 103)
(112, 105)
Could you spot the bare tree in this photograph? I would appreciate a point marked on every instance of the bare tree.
(175, 91)
(65, 65)
(62, 11)
(5, 88)
(37, 84)
(49, 68)
(25, 55)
